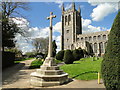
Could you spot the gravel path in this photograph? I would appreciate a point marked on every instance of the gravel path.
(18, 76)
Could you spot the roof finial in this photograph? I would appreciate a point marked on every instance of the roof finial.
(63, 9)
(79, 10)
(73, 5)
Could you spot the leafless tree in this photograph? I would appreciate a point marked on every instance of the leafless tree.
(40, 44)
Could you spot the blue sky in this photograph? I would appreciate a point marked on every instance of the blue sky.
(40, 10)
(95, 17)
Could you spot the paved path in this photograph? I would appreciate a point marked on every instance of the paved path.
(18, 76)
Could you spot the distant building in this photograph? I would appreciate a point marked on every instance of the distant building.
(72, 37)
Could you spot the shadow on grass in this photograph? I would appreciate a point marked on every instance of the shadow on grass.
(85, 73)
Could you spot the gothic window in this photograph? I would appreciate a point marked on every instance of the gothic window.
(101, 47)
(86, 38)
(67, 40)
(99, 37)
(82, 39)
(95, 47)
(77, 39)
(90, 38)
(67, 31)
(69, 19)
(104, 37)
(65, 20)
(94, 38)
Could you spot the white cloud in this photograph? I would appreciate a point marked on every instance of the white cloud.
(57, 27)
(59, 2)
(87, 27)
(68, 6)
(102, 10)
(34, 32)
(97, 2)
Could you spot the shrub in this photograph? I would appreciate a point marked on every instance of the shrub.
(81, 53)
(36, 64)
(111, 60)
(76, 54)
(60, 55)
(8, 59)
(68, 57)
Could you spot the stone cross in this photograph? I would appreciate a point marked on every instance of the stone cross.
(50, 34)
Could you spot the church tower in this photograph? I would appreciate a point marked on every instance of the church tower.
(71, 27)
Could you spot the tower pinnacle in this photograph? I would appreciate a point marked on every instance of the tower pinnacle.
(73, 5)
(79, 10)
(63, 9)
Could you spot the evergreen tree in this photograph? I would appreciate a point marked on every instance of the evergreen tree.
(68, 57)
(60, 55)
(9, 28)
(111, 60)
(76, 54)
(54, 47)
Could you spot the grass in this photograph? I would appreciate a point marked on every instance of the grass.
(85, 69)
(36, 64)
(58, 61)
(23, 60)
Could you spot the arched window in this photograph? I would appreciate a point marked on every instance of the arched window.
(101, 47)
(82, 39)
(65, 20)
(94, 38)
(86, 38)
(90, 38)
(69, 19)
(67, 40)
(99, 37)
(104, 37)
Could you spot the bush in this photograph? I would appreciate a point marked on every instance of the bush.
(36, 64)
(68, 57)
(111, 60)
(60, 55)
(8, 59)
(81, 53)
(76, 54)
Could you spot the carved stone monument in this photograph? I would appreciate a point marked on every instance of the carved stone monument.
(49, 73)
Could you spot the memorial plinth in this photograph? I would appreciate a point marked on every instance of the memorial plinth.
(49, 73)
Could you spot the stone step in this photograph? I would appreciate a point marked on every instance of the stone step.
(35, 74)
(49, 72)
(49, 68)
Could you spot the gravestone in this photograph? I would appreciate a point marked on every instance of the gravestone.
(49, 73)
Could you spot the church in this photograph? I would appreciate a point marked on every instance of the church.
(72, 36)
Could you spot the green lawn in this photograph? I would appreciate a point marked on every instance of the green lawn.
(85, 69)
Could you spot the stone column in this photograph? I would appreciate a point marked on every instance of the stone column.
(98, 51)
(103, 47)
(50, 35)
(50, 43)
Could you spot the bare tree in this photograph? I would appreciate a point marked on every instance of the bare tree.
(9, 28)
(40, 44)
(11, 9)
